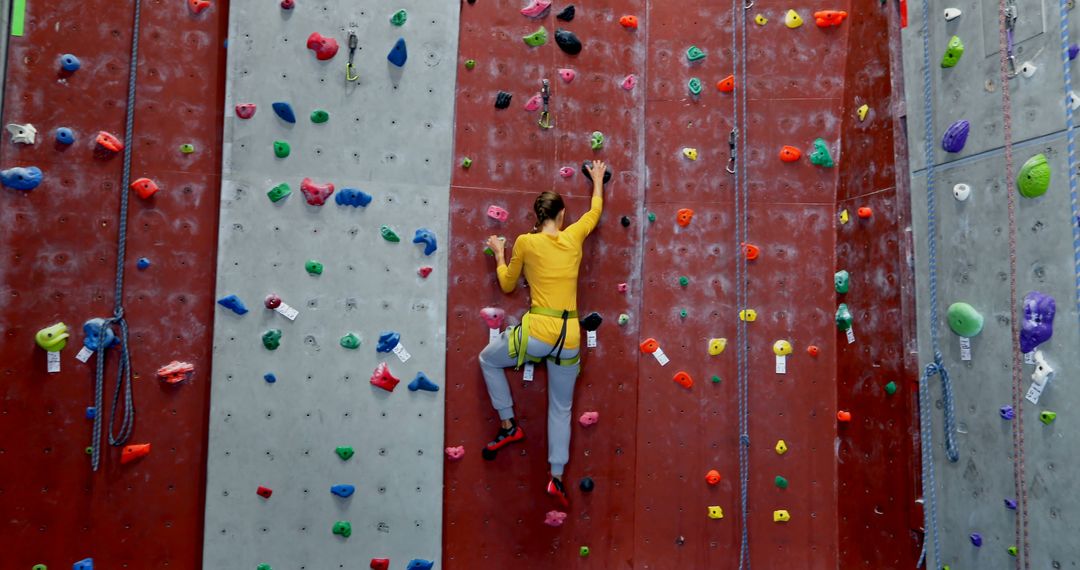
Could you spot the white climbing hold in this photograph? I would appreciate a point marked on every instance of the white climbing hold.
(1043, 371)
(1028, 69)
(22, 134)
(952, 14)
(1074, 100)
(961, 192)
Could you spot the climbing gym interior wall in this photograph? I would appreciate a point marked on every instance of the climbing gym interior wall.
(980, 195)
(58, 257)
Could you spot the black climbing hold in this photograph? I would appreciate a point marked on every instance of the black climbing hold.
(625, 221)
(585, 169)
(567, 13)
(592, 321)
(502, 100)
(488, 454)
(568, 42)
(586, 485)
(472, 1)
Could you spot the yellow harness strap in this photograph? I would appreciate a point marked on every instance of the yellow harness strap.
(519, 335)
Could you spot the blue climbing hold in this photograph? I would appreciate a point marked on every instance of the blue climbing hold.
(143, 263)
(426, 237)
(398, 54)
(343, 491)
(21, 178)
(65, 135)
(269, 377)
(352, 197)
(91, 412)
(85, 564)
(1073, 50)
(284, 110)
(93, 329)
(70, 63)
(387, 341)
(418, 564)
(233, 303)
(422, 382)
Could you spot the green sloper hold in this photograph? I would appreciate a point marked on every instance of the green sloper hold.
(781, 482)
(843, 317)
(271, 339)
(313, 267)
(279, 192)
(1034, 178)
(319, 116)
(964, 320)
(345, 452)
(350, 341)
(388, 234)
(399, 17)
(1047, 417)
(820, 155)
(537, 38)
(694, 85)
(842, 280)
(263, 566)
(281, 149)
(694, 53)
(343, 528)
(953, 51)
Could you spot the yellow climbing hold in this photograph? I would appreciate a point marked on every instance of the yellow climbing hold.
(792, 19)
(690, 153)
(748, 315)
(781, 348)
(716, 512)
(862, 111)
(844, 216)
(781, 447)
(761, 20)
(717, 345)
(781, 516)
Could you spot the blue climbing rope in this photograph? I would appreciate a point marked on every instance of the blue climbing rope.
(937, 367)
(1070, 145)
(123, 374)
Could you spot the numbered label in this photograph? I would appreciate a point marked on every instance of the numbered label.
(661, 357)
(493, 335)
(781, 364)
(287, 311)
(402, 354)
(54, 362)
(1029, 358)
(590, 339)
(851, 335)
(965, 348)
(1034, 393)
(84, 354)
(529, 369)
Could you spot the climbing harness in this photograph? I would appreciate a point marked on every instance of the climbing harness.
(349, 68)
(731, 150)
(929, 484)
(1071, 145)
(545, 116)
(519, 339)
(123, 373)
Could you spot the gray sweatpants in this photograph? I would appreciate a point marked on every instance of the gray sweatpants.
(496, 356)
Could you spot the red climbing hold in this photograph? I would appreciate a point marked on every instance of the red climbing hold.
(727, 84)
(843, 416)
(288, 4)
(245, 110)
(316, 194)
(264, 492)
(649, 345)
(790, 154)
(197, 6)
(683, 379)
(132, 452)
(712, 477)
(144, 187)
(108, 142)
(380, 564)
(383, 379)
(425, 271)
(683, 217)
(827, 18)
(629, 22)
(865, 213)
(176, 372)
(813, 350)
(751, 251)
(325, 48)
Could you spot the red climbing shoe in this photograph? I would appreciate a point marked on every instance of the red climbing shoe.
(555, 489)
(506, 437)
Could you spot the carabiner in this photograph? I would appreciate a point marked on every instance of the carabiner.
(731, 148)
(748, 6)
(353, 41)
(545, 116)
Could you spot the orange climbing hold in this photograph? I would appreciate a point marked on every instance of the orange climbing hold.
(108, 142)
(727, 84)
(843, 416)
(790, 153)
(683, 379)
(144, 187)
(712, 477)
(813, 350)
(176, 372)
(865, 213)
(132, 452)
(197, 6)
(829, 18)
(649, 345)
(751, 251)
(629, 22)
(683, 217)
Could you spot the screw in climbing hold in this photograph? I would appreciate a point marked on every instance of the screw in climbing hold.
(781, 482)
(568, 42)
(343, 529)
(953, 52)
(781, 447)
(964, 320)
(712, 477)
(694, 85)
(466, 162)
(263, 566)
(264, 492)
(470, 64)
(790, 154)
(279, 192)
(345, 452)
(537, 38)
(715, 512)
(324, 47)
(399, 54)
(142, 263)
(1047, 417)
(313, 267)
(271, 339)
(70, 63)
(715, 379)
(813, 350)
(1034, 178)
(955, 136)
(843, 317)
(187, 148)
(761, 20)
(976, 539)
(388, 234)
(782, 348)
(684, 281)
(502, 99)
(536, 8)
(862, 111)
(144, 188)
(319, 116)
(1007, 412)
(651, 217)
(399, 17)
(717, 346)
(683, 314)
(781, 516)
(245, 110)
(890, 388)
(566, 15)
(1013, 551)
(583, 551)
(792, 19)
(961, 192)
(65, 136)
(748, 315)
(842, 281)
(690, 153)
(596, 140)
(350, 341)
(726, 85)
(284, 111)
(820, 155)
(829, 18)
(952, 14)
(694, 53)
(865, 212)
(281, 149)
(624, 319)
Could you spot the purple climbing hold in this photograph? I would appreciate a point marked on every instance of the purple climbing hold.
(976, 539)
(353, 197)
(21, 178)
(1010, 504)
(1038, 324)
(956, 136)
(568, 41)
(387, 341)
(567, 13)
(1073, 50)
(398, 54)
(1007, 412)
(233, 303)
(426, 237)
(343, 491)
(285, 111)
(422, 382)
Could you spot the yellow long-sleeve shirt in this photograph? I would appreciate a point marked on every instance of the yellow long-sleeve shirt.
(551, 266)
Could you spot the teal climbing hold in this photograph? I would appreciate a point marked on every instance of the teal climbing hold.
(694, 53)
(263, 566)
(694, 85)
(964, 320)
(843, 317)
(1034, 178)
(537, 38)
(820, 155)
(842, 281)
(399, 17)
(350, 341)
(684, 281)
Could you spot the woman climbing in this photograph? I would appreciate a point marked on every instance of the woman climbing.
(550, 258)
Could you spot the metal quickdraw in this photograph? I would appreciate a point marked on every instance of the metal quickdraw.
(1010, 25)
(353, 42)
(731, 150)
(545, 115)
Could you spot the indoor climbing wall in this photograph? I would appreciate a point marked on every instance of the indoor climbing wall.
(59, 255)
(331, 286)
(655, 442)
(977, 515)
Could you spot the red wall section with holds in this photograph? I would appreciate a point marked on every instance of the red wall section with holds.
(58, 247)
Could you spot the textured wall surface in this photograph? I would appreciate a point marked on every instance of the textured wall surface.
(389, 135)
(973, 238)
(57, 263)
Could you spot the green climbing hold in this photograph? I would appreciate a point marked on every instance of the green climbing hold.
(694, 85)
(583, 551)
(343, 528)
(313, 267)
(781, 482)
(596, 141)
(1034, 178)
(652, 216)
(89, 450)
(624, 319)
(820, 155)
(350, 341)
(890, 388)
(399, 17)
(964, 320)
(684, 281)
(694, 53)
(1047, 417)
(842, 280)
(271, 339)
(187, 148)
(39, 567)
(319, 116)
(715, 379)
(345, 452)
(466, 162)
(843, 317)
(281, 149)
(470, 64)
(953, 51)
(388, 234)
(537, 38)
(683, 314)
(263, 566)
(1013, 550)
(279, 192)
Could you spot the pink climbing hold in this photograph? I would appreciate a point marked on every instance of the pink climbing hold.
(382, 378)
(493, 317)
(555, 518)
(316, 194)
(534, 103)
(536, 8)
(245, 110)
(497, 213)
(567, 74)
(324, 47)
(566, 172)
(455, 453)
(589, 418)
(623, 287)
(629, 82)
(197, 6)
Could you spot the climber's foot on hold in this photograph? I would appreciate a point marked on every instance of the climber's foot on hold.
(505, 437)
(555, 489)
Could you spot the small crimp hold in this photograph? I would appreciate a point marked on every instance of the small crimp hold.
(422, 382)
